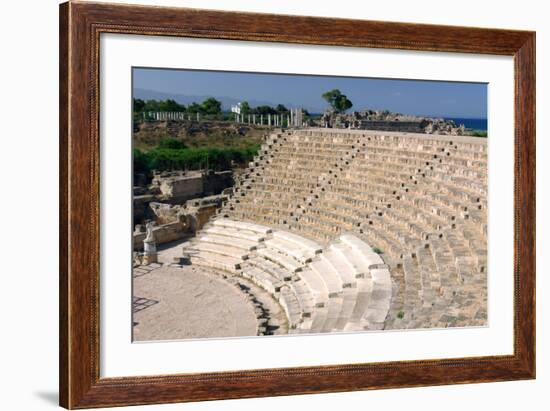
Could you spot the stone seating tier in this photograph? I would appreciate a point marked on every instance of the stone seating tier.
(407, 195)
(335, 288)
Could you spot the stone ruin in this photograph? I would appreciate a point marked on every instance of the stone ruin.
(354, 230)
(178, 186)
(178, 202)
(388, 121)
(175, 222)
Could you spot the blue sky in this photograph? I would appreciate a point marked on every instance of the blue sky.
(435, 98)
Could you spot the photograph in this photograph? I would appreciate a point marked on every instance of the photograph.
(271, 204)
(260, 202)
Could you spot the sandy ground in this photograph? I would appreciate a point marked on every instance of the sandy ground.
(178, 303)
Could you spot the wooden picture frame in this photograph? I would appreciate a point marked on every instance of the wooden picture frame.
(80, 27)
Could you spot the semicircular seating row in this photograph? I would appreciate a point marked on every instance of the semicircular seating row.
(343, 286)
(420, 200)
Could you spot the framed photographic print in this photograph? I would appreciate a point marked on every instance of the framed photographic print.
(258, 205)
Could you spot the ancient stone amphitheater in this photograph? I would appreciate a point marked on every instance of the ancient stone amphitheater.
(358, 230)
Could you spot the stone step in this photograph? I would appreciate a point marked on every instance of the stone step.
(316, 285)
(214, 248)
(363, 248)
(311, 246)
(333, 314)
(349, 299)
(291, 306)
(332, 280)
(341, 266)
(230, 232)
(216, 261)
(318, 320)
(262, 278)
(270, 267)
(285, 261)
(290, 249)
(229, 241)
(306, 300)
(242, 225)
(359, 264)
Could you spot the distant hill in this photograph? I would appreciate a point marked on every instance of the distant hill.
(227, 102)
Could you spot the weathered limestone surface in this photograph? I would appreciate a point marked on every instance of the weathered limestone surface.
(354, 230)
(177, 187)
(418, 200)
(163, 234)
(342, 287)
(175, 222)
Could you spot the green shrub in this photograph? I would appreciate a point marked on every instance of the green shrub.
(479, 133)
(164, 158)
(401, 315)
(377, 250)
(171, 143)
(141, 162)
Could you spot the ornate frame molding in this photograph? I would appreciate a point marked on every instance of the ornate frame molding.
(80, 27)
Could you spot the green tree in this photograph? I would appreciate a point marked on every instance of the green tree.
(264, 110)
(139, 105)
(245, 108)
(171, 105)
(281, 109)
(159, 105)
(194, 108)
(151, 105)
(211, 106)
(338, 101)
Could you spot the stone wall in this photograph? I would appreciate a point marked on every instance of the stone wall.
(163, 234)
(170, 189)
(175, 222)
(200, 210)
(181, 188)
(214, 182)
(401, 126)
(178, 187)
(141, 207)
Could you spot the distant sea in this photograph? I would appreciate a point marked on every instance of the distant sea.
(473, 123)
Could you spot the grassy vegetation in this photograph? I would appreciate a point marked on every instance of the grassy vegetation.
(378, 250)
(401, 315)
(479, 133)
(148, 136)
(171, 154)
(221, 138)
